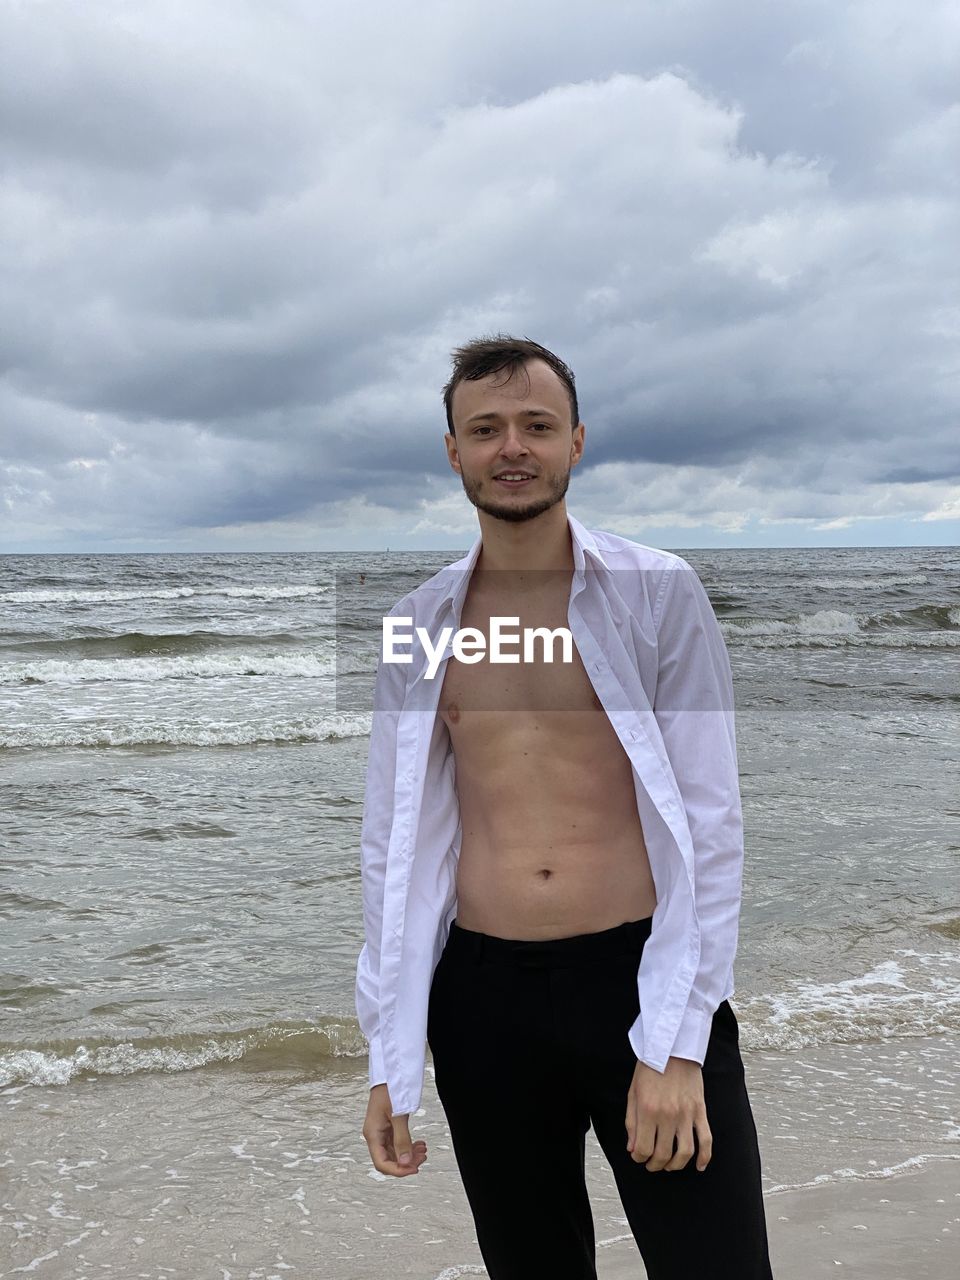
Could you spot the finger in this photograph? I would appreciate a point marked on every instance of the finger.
(394, 1169)
(385, 1138)
(402, 1142)
(385, 1161)
(704, 1143)
(646, 1134)
(631, 1121)
(663, 1150)
(418, 1149)
(418, 1157)
(684, 1151)
(383, 1154)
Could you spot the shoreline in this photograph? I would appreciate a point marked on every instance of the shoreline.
(230, 1172)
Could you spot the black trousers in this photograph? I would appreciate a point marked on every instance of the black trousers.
(529, 1044)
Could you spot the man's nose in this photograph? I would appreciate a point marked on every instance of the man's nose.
(513, 444)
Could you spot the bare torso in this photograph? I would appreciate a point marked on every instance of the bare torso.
(552, 843)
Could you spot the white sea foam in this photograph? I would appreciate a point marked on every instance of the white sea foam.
(208, 733)
(863, 1175)
(876, 582)
(108, 596)
(303, 663)
(461, 1269)
(913, 993)
(37, 1068)
(328, 1037)
(807, 638)
(823, 622)
(839, 628)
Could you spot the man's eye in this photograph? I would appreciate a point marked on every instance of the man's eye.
(544, 426)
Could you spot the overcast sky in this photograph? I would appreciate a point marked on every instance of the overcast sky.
(240, 240)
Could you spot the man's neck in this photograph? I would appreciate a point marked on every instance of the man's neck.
(539, 544)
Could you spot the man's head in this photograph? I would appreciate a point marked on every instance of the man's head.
(496, 385)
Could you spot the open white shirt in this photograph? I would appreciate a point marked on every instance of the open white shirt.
(651, 645)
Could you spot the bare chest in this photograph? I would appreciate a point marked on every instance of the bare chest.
(532, 683)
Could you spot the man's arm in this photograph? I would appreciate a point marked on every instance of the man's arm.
(693, 705)
(694, 708)
(387, 1136)
(374, 840)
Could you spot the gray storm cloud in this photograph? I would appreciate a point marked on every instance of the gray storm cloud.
(241, 240)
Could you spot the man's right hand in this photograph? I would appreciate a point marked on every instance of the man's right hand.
(388, 1137)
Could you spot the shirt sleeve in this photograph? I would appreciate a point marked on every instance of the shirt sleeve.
(694, 708)
(377, 823)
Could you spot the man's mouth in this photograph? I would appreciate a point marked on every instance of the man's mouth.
(514, 479)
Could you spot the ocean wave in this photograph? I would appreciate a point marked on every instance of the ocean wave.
(903, 639)
(300, 664)
(875, 582)
(923, 626)
(912, 1163)
(135, 644)
(71, 595)
(913, 993)
(327, 728)
(823, 622)
(277, 1046)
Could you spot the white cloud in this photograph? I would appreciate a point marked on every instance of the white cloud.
(241, 243)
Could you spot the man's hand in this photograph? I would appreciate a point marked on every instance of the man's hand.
(389, 1137)
(664, 1107)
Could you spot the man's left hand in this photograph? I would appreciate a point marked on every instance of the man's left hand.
(664, 1108)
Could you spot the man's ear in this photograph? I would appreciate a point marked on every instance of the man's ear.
(453, 453)
(576, 448)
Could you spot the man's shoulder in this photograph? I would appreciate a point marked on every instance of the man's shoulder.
(642, 572)
(624, 553)
(431, 592)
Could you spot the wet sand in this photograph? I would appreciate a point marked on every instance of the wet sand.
(892, 1228)
(229, 1173)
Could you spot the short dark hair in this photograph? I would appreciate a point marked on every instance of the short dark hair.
(483, 356)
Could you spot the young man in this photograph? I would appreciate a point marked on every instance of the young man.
(552, 856)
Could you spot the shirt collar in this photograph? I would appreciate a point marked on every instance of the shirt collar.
(457, 575)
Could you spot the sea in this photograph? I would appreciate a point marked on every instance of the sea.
(181, 777)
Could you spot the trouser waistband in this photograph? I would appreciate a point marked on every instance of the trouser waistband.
(580, 949)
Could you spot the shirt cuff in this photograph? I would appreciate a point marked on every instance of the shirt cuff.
(378, 1074)
(693, 1036)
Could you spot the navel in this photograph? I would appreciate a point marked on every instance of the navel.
(546, 873)
(453, 711)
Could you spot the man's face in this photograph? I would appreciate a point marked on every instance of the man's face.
(499, 435)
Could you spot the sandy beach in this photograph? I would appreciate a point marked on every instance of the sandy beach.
(229, 1173)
